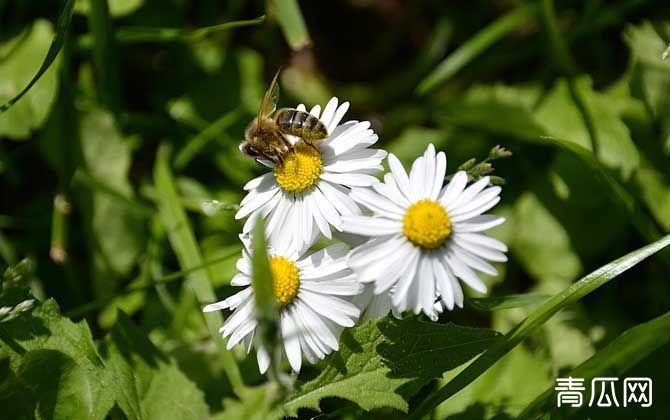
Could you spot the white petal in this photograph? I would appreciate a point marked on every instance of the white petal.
(321, 330)
(482, 198)
(476, 212)
(335, 309)
(474, 261)
(316, 110)
(372, 226)
(478, 223)
(401, 178)
(339, 198)
(377, 203)
(341, 110)
(465, 273)
(329, 112)
(263, 359)
(326, 208)
(240, 279)
(438, 179)
(406, 278)
(390, 190)
(290, 334)
(350, 179)
(258, 200)
(232, 302)
(442, 283)
(454, 188)
(426, 283)
(468, 193)
(480, 250)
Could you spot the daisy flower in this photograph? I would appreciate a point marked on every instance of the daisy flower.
(424, 237)
(309, 192)
(307, 289)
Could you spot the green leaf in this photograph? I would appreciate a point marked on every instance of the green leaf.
(15, 295)
(561, 118)
(621, 354)
(502, 391)
(117, 8)
(548, 261)
(49, 58)
(62, 389)
(45, 345)
(150, 386)
(255, 404)
(535, 320)
(134, 35)
(292, 23)
(188, 253)
(382, 363)
(22, 54)
(496, 303)
(475, 46)
(116, 227)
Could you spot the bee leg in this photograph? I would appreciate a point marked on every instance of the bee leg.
(316, 149)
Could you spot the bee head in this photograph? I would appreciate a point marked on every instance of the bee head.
(250, 151)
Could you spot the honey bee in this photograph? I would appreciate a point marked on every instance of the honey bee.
(265, 137)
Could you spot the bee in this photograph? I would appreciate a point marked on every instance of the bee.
(265, 137)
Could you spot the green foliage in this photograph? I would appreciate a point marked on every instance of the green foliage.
(132, 118)
(26, 51)
(383, 363)
(292, 23)
(149, 386)
(538, 317)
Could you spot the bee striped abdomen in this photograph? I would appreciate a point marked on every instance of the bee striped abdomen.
(301, 124)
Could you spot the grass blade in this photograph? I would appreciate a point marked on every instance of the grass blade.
(185, 155)
(624, 352)
(534, 321)
(496, 303)
(105, 55)
(134, 35)
(188, 253)
(292, 23)
(55, 47)
(474, 47)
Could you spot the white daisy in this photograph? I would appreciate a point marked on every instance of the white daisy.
(306, 288)
(424, 237)
(309, 192)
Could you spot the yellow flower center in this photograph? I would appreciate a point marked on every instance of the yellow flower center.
(285, 280)
(300, 170)
(426, 224)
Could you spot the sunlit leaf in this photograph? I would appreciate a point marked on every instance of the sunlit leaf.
(382, 363)
(22, 56)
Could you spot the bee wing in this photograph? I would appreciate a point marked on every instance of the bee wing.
(269, 104)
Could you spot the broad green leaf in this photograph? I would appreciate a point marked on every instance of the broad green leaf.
(22, 56)
(475, 46)
(534, 321)
(382, 363)
(150, 386)
(116, 227)
(15, 295)
(61, 350)
(541, 243)
(254, 404)
(292, 23)
(621, 354)
(15, 398)
(117, 8)
(561, 118)
(62, 389)
(188, 253)
(28, 60)
(655, 191)
(496, 303)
